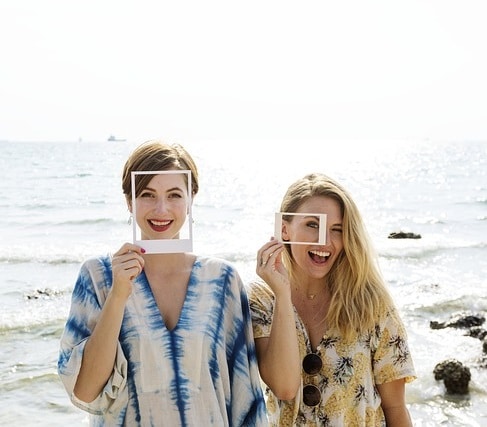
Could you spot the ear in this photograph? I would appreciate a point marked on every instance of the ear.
(128, 200)
(284, 232)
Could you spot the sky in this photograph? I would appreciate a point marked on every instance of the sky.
(226, 70)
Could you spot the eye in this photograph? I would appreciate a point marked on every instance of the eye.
(312, 224)
(146, 194)
(175, 196)
(337, 229)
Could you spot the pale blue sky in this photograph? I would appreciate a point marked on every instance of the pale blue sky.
(243, 70)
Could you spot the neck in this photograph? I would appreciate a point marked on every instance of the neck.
(167, 262)
(311, 304)
(308, 294)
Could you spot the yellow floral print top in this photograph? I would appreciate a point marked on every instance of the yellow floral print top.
(349, 373)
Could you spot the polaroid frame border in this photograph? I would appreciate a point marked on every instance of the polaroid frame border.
(321, 229)
(164, 246)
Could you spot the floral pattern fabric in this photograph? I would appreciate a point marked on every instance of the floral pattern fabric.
(349, 373)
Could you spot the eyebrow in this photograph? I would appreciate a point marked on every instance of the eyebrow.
(317, 218)
(168, 190)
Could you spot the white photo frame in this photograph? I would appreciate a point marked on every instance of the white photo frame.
(163, 246)
(321, 228)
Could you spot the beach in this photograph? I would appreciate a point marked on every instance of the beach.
(62, 203)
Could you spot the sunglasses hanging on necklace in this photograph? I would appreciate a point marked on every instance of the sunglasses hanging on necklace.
(312, 365)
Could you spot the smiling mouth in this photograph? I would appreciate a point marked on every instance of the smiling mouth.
(319, 256)
(159, 226)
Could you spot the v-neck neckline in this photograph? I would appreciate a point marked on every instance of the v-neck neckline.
(153, 302)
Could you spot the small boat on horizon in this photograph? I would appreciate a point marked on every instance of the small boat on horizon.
(114, 138)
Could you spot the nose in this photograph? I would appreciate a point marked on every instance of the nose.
(160, 205)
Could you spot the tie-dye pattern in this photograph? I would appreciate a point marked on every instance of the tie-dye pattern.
(202, 373)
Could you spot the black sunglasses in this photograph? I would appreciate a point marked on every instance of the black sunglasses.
(312, 364)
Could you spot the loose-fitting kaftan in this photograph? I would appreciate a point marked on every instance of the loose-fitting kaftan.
(349, 373)
(201, 373)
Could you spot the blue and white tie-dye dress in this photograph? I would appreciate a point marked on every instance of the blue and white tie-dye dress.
(202, 373)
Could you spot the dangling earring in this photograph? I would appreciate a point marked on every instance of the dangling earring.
(129, 221)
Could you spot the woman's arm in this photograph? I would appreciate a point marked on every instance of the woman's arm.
(278, 354)
(393, 403)
(101, 347)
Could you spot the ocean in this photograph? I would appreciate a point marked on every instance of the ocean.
(62, 202)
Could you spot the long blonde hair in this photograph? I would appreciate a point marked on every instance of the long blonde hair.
(357, 288)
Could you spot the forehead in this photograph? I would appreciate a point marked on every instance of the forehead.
(321, 205)
(170, 180)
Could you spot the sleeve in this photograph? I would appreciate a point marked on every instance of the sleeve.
(86, 304)
(261, 301)
(248, 404)
(392, 357)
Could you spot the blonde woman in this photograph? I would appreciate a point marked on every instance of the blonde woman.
(331, 346)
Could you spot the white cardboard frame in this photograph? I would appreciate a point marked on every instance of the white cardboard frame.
(164, 246)
(321, 228)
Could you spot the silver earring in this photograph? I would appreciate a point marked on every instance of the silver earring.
(129, 221)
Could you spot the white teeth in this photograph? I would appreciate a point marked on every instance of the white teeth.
(320, 253)
(160, 223)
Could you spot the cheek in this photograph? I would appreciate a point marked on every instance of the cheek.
(336, 240)
(299, 252)
(181, 208)
(298, 230)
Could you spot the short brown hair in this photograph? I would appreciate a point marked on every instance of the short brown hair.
(156, 155)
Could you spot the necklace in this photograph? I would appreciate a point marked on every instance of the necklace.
(308, 295)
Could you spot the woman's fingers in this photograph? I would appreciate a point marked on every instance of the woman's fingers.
(268, 253)
(132, 267)
(127, 264)
(129, 247)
